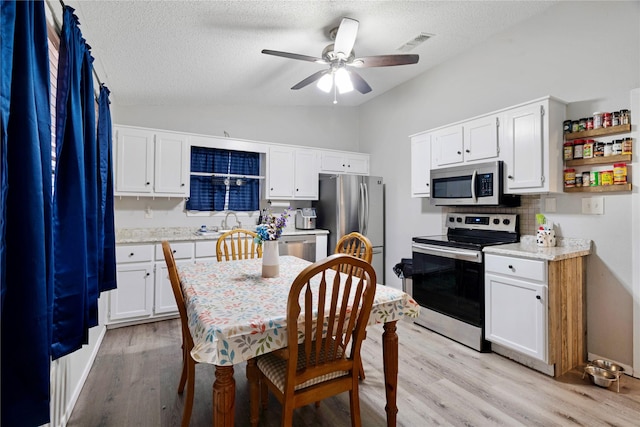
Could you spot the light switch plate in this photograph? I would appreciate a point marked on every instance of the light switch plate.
(593, 205)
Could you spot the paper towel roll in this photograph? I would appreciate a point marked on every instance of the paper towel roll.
(284, 204)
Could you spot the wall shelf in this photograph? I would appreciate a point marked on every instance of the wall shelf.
(611, 130)
(599, 189)
(620, 158)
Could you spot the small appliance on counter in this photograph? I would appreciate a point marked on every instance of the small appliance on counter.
(306, 219)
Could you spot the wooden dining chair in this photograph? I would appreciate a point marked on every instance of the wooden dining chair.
(326, 360)
(237, 244)
(360, 246)
(188, 363)
(355, 244)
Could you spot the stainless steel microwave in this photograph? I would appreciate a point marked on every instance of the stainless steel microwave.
(480, 184)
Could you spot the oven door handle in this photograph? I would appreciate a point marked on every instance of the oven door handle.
(455, 253)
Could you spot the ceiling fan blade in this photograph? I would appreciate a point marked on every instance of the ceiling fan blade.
(384, 61)
(359, 83)
(345, 37)
(312, 78)
(294, 56)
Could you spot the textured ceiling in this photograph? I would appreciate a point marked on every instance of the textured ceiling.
(202, 53)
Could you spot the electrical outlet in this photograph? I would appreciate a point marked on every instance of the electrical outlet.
(597, 205)
(148, 213)
(593, 205)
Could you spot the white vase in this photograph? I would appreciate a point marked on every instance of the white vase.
(270, 259)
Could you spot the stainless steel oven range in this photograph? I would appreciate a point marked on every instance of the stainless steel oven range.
(448, 274)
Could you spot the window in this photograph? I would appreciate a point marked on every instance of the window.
(224, 180)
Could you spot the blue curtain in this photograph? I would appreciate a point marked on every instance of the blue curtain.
(106, 227)
(26, 215)
(75, 198)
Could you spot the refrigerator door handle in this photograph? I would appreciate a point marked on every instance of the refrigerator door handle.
(360, 208)
(366, 210)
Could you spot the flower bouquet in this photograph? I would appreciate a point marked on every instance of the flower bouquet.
(271, 227)
(268, 233)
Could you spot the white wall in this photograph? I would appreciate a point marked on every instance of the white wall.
(324, 127)
(586, 53)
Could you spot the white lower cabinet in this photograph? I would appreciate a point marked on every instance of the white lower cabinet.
(134, 297)
(516, 304)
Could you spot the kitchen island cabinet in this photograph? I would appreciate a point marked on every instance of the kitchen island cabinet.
(535, 303)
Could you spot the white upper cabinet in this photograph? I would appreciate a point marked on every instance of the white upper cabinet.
(292, 173)
(467, 142)
(344, 162)
(447, 146)
(421, 165)
(150, 163)
(532, 144)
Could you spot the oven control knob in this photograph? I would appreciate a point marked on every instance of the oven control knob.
(459, 219)
(496, 221)
(451, 219)
(506, 221)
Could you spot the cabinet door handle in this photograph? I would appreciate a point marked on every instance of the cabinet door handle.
(511, 267)
(182, 185)
(538, 297)
(467, 151)
(147, 275)
(459, 152)
(174, 251)
(131, 254)
(510, 176)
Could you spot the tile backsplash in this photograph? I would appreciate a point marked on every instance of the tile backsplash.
(529, 207)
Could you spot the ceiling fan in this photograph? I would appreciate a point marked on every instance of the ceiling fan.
(341, 60)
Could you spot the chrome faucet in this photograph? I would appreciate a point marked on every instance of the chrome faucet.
(225, 225)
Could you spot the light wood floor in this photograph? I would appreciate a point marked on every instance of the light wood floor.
(441, 383)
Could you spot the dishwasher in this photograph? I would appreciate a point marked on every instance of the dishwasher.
(300, 246)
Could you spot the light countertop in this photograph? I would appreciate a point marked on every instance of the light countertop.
(174, 234)
(527, 248)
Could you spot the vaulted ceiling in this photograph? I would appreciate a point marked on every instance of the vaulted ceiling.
(200, 53)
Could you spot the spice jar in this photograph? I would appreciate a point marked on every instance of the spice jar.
(575, 126)
(606, 177)
(598, 149)
(597, 120)
(578, 180)
(608, 148)
(569, 177)
(594, 178)
(619, 173)
(578, 145)
(617, 147)
(587, 149)
(585, 179)
(615, 118)
(568, 150)
(606, 120)
(566, 126)
(589, 123)
(625, 117)
(627, 146)
(582, 124)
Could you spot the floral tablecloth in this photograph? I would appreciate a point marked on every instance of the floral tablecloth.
(236, 314)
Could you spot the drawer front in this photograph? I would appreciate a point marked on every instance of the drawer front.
(134, 253)
(182, 250)
(516, 267)
(206, 248)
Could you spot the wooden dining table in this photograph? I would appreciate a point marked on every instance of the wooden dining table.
(236, 315)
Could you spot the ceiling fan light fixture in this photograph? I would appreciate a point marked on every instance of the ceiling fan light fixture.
(343, 81)
(326, 82)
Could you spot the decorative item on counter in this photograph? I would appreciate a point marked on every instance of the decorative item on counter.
(268, 234)
(545, 235)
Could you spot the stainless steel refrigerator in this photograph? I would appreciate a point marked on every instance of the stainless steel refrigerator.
(350, 203)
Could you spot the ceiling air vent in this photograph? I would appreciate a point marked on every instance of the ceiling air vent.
(417, 40)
